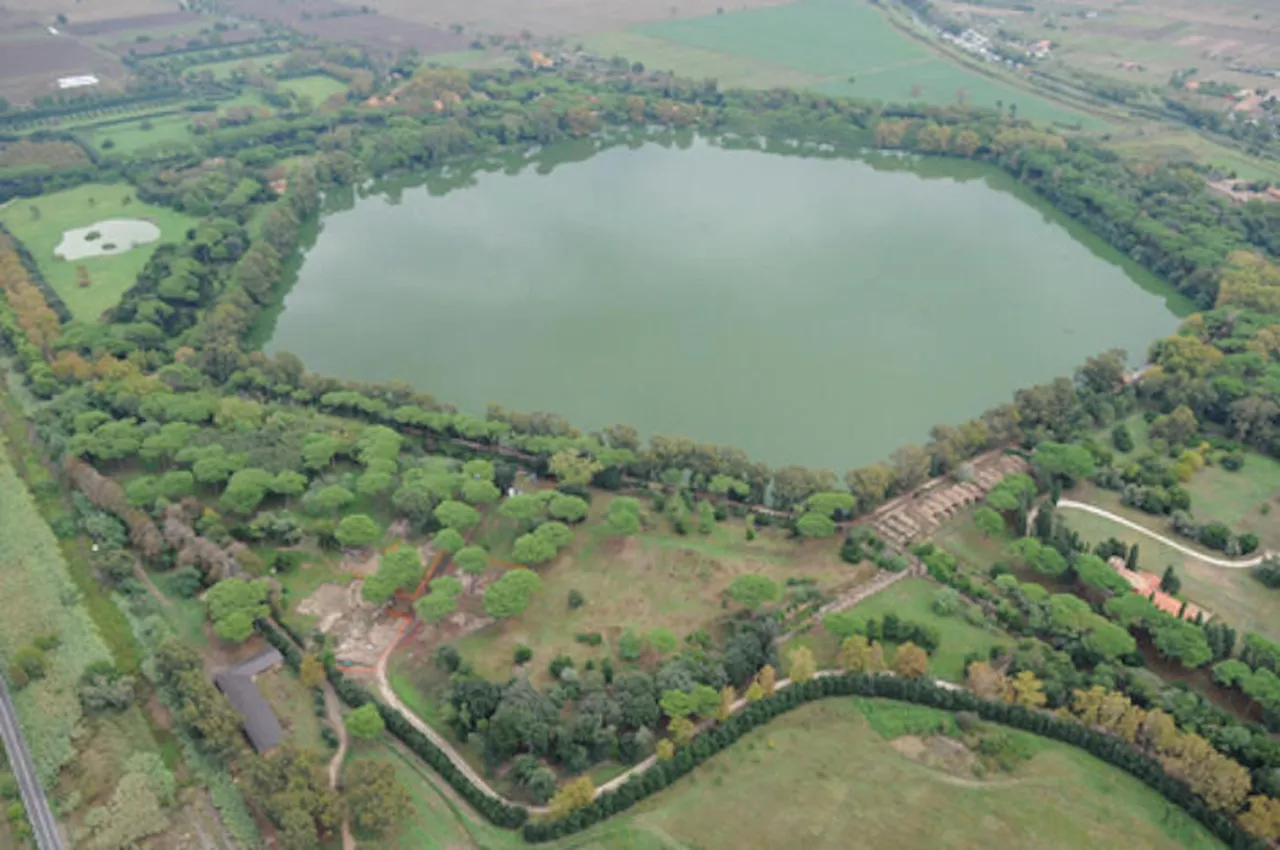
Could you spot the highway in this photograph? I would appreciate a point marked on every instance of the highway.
(38, 811)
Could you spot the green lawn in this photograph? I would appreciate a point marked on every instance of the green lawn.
(129, 137)
(318, 87)
(830, 41)
(294, 705)
(685, 60)
(1236, 498)
(223, 70)
(912, 599)
(1179, 145)
(39, 223)
(821, 775)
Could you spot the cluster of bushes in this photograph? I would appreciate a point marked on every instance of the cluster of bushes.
(1214, 535)
(862, 544)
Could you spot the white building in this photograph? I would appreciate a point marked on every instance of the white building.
(77, 82)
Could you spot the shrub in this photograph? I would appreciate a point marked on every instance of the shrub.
(523, 654)
(576, 600)
(589, 638)
(1232, 462)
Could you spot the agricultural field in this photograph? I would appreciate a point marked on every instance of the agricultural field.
(318, 87)
(39, 224)
(846, 49)
(1182, 145)
(223, 70)
(912, 599)
(825, 772)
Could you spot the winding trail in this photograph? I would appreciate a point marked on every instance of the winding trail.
(1208, 559)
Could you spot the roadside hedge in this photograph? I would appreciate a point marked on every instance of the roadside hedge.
(497, 812)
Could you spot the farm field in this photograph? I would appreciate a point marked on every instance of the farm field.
(223, 70)
(318, 87)
(912, 599)
(129, 137)
(1179, 145)
(79, 207)
(851, 50)
(823, 772)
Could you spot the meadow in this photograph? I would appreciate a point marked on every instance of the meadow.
(823, 773)
(318, 87)
(846, 49)
(35, 579)
(912, 599)
(39, 224)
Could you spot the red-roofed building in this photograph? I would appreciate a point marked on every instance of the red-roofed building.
(1149, 583)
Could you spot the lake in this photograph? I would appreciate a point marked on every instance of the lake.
(807, 309)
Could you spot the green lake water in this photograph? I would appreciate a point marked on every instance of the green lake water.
(807, 309)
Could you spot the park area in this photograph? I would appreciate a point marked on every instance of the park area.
(867, 768)
(40, 224)
(840, 48)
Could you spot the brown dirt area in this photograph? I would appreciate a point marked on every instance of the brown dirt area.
(361, 635)
(341, 22)
(563, 17)
(939, 753)
(32, 67)
(101, 10)
(137, 22)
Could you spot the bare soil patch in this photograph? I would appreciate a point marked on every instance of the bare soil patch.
(135, 22)
(360, 634)
(939, 753)
(339, 22)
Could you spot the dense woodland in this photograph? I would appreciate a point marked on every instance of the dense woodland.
(168, 386)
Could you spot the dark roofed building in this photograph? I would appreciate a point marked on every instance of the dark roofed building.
(261, 726)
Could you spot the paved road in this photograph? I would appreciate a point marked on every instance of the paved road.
(1208, 559)
(38, 812)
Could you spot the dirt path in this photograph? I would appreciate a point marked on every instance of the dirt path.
(1208, 559)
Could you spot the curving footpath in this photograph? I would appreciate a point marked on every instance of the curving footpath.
(1208, 559)
(43, 824)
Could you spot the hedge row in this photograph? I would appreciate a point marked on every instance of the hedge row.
(36, 279)
(1110, 749)
(499, 813)
(1106, 747)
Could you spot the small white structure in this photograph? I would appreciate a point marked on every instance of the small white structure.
(104, 238)
(77, 82)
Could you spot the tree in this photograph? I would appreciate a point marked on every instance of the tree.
(328, 500)
(1062, 461)
(910, 466)
(661, 641)
(568, 508)
(448, 540)
(875, 662)
(1177, 427)
(910, 661)
(357, 530)
(1169, 582)
(682, 731)
(665, 750)
(574, 468)
(842, 624)
(623, 517)
(1027, 690)
(869, 485)
(728, 696)
(1175, 638)
(572, 796)
(1110, 642)
(751, 591)
(510, 595)
(767, 679)
(829, 504)
(472, 560)
(311, 671)
(532, 549)
(457, 515)
(480, 492)
(1262, 818)
(803, 666)
(987, 682)
(855, 653)
(289, 483)
(1012, 493)
(1131, 559)
(234, 605)
(524, 508)
(435, 607)
(398, 570)
(376, 802)
(814, 525)
(365, 722)
(988, 522)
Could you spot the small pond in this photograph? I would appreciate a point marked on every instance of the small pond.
(103, 238)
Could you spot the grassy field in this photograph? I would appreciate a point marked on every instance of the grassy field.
(1182, 145)
(129, 137)
(912, 599)
(729, 70)
(823, 774)
(844, 48)
(223, 70)
(649, 581)
(295, 706)
(318, 87)
(41, 601)
(80, 207)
